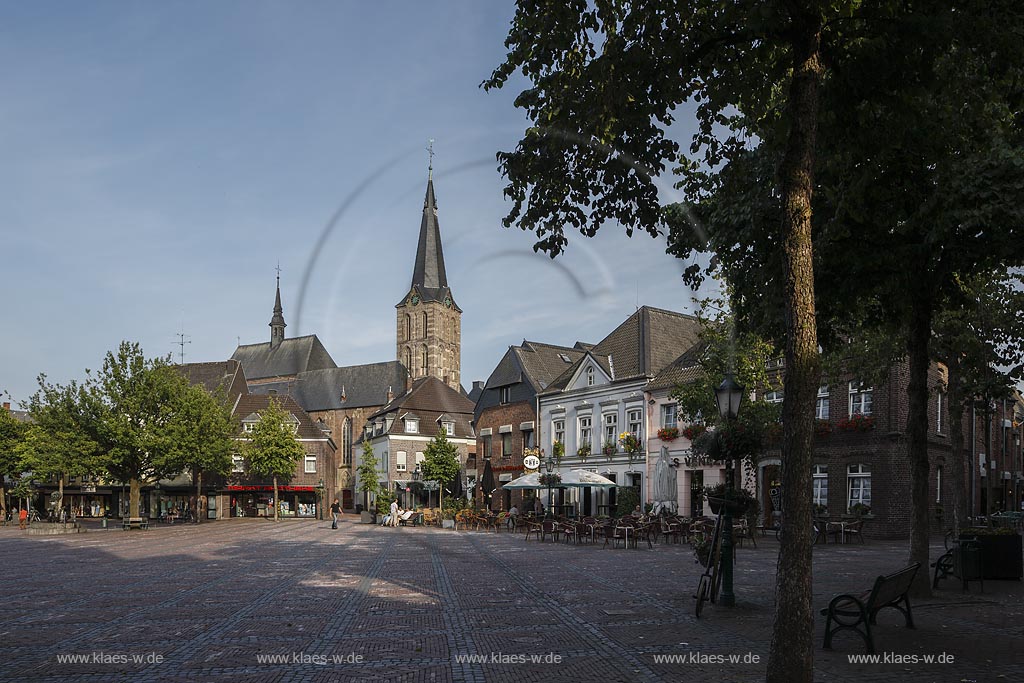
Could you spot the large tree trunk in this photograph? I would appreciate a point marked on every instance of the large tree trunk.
(277, 505)
(133, 498)
(956, 469)
(791, 657)
(917, 439)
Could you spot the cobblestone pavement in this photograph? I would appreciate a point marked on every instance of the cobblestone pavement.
(371, 604)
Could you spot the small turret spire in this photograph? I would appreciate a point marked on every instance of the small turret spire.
(277, 323)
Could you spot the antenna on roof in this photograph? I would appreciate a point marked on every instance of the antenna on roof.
(182, 340)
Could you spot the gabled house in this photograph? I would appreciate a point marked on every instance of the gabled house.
(400, 432)
(506, 414)
(601, 396)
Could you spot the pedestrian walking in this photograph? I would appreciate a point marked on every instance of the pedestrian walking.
(23, 518)
(393, 521)
(335, 511)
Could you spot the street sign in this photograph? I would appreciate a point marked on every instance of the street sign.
(531, 462)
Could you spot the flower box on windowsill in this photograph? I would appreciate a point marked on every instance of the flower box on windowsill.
(857, 423)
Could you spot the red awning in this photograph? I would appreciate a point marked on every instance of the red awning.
(270, 488)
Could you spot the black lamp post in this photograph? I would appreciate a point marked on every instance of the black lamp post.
(728, 396)
(416, 477)
(549, 465)
(320, 498)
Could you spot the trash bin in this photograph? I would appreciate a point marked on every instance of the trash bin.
(967, 564)
(359, 508)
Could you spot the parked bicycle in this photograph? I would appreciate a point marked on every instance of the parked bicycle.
(711, 580)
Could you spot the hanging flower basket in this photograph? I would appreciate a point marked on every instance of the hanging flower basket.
(609, 449)
(719, 505)
(630, 443)
(691, 432)
(553, 479)
(668, 433)
(583, 451)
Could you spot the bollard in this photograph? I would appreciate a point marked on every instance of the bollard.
(104, 522)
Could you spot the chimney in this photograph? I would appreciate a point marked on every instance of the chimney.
(478, 384)
(344, 396)
(391, 396)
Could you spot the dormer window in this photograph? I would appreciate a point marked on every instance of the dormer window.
(505, 395)
(412, 426)
(449, 428)
(590, 375)
(249, 427)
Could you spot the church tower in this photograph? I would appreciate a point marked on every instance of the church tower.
(429, 322)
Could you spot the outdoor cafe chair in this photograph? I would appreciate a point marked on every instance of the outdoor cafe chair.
(549, 527)
(614, 534)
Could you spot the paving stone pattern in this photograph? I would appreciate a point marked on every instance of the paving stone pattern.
(404, 604)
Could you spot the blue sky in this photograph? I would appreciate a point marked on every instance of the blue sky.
(161, 158)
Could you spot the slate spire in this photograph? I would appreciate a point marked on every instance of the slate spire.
(277, 323)
(429, 273)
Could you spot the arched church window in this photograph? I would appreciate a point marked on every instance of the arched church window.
(424, 324)
(346, 442)
(407, 358)
(408, 327)
(423, 365)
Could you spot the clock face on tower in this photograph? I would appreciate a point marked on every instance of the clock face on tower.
(448, 301)
(415, 299)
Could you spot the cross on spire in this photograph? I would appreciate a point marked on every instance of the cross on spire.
(278, 269)
(430, 151)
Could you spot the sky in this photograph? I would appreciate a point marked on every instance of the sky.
(162, 158)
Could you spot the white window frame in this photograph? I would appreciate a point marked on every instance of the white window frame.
(634, 421)
(821, 407)
(412, 426)
(506, 436)
(938, 484)
(938, 412)
(504, 395)
(401, 461)
(449, 428)
(310, 459)
(557, 431)
(590, 375)
(585, 427)
(237, 464)
(669, 415)
(773, 396)
(610, 422)
(249, 427)
(819, 485)
(420, 457)
(861, 399)
(858, 485)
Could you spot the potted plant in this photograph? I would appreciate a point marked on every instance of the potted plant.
(739, 499)
(609, 449)
(668, 433)
(583, 451)
(558, 450)
(691, 432)
(553, 479)
(859, 510)
(857, 423)
(630, 442)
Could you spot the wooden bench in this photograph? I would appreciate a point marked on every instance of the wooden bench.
(850, 611)
(132, 522)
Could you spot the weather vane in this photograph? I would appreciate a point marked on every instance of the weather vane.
(430, 151)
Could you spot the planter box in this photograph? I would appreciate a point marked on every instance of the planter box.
(1001, 555)
(717, 506)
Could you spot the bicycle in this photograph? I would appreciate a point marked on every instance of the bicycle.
(711, 580)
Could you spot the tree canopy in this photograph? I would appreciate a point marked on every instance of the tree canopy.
(441, 460)
(273, 449)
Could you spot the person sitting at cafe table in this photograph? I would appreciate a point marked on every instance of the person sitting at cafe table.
(637, 512)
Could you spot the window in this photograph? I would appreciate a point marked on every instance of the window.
(424, 324)
(584, 431)
(938, 412)
(773, 396)
(669, 415)
(820, 484)
(860, 399)
(565, 358)
(504, 395)
(506, 445)
(401, 461)
(412, 426)
(528, 439)
(590, 375)
(611, 428)
(449, 428)
(419, 458)
(938, 484)
(408, 360)
(423, 360)
(237, 464)
(634, 421)
(408, 327)
(557, 432)
(821, 408)
(487, 446)
(859, 478)
(249, 427)
(310, 464)
(346, 442)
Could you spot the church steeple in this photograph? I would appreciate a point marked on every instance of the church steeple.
(277, 323)
(429, 273)
(429, 322)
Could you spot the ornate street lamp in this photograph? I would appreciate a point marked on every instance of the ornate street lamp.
(320, 498)
(728, 396)
(416, 476)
